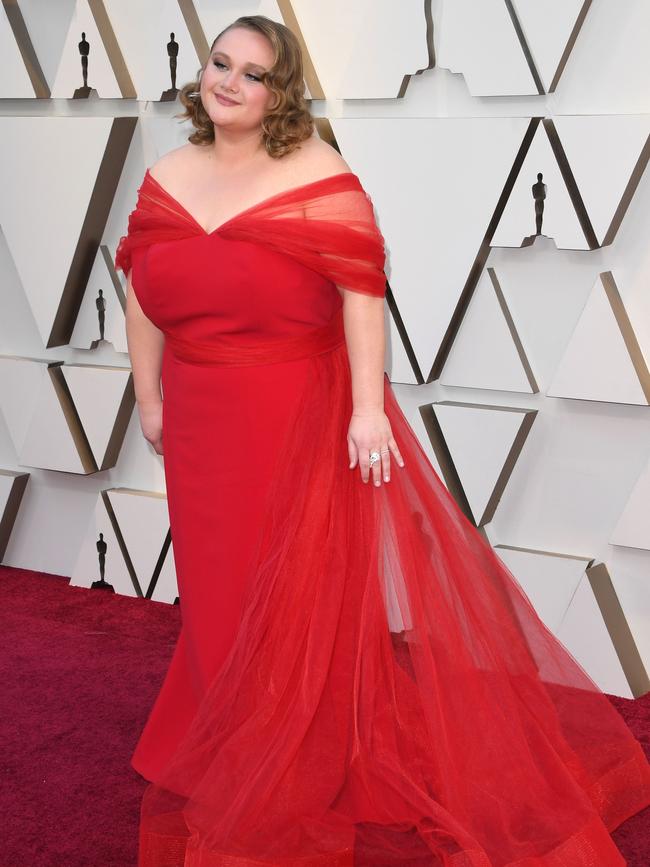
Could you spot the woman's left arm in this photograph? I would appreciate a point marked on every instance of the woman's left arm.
(369, 430)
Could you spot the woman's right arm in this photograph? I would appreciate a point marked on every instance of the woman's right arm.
(145, 343)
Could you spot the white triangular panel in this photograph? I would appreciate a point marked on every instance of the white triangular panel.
(86, 568)
(48, 25)
(43, 253)
(15, 82)
(20, 384)
(596, 364)
(633, 527)
(608, 69)
(97, 393)
(472, 36)
(483, 354)
(634, 599)
(585, 635)
(143, 30)
(166, 589)
(549, 580)
(363, 39)
(602, 152)
(69, 76)
(143, 520)
(547, 28)
(48, 442)
(479, 440)
(559, 220)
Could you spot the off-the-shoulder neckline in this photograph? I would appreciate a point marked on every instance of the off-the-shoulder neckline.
(265, 201)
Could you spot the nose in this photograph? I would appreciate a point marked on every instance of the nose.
(229, 81)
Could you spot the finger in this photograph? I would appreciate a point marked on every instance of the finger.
(352, 453)
(385, 463)
(395, 450)
(376, 470)
(364, 464)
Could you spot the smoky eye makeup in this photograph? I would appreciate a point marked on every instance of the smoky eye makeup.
(218, 63)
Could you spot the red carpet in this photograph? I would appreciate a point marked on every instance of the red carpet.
(80, 670)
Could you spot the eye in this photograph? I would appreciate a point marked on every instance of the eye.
(254, 77)
(218, 63)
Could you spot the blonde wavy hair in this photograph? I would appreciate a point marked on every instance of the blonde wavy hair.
(288, 121)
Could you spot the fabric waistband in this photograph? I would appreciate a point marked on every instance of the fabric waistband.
(230, 350)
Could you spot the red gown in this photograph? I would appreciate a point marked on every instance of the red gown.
(359, 679)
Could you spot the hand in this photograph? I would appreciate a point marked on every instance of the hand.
(151, 423)
(370, 431)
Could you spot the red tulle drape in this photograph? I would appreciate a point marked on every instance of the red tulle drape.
(327, 225)
(392, 697)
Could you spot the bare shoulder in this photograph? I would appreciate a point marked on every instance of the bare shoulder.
(317, 159)
(174, 163)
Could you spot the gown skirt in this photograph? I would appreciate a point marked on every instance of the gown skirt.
(359, 680)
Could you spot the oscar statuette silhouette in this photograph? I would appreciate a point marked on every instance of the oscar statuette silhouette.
(538, 190)
(172, 53)
(101, 556)
(84, 50)
(100, 304)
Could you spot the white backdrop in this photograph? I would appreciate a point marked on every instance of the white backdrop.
(520, 360)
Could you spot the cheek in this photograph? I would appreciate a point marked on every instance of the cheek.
(259, 97)
(209, 77)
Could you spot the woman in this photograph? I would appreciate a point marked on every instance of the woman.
(358, 679)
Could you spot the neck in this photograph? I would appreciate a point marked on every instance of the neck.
(234, 149)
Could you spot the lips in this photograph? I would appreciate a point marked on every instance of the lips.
(224, 100)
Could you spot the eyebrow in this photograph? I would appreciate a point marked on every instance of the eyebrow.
(255, 65)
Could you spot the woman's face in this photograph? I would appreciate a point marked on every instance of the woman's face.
(233, 71)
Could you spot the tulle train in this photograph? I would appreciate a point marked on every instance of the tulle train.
(392, 697)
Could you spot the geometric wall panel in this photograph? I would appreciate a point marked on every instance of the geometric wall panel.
(103, 556)
(135, 538)
(12, 488)
(143, 521)
(629, 579)
(364, 40)
(435, 210)
(399, 361)
(483, 462)
(559, 588)
(633, 527)
(550, 30)
(549, 579)
(164, 586)
(603, 360)
(607, 155)
(463, 47)
(560, 220)
(54, 439)
(15, 80)
(67, 207)
(596, 632)
(487, 351)
(102, 308)
(608, 70)
(78, 418)
(21, 380)
(55, 39)
(142, 31)
(104, 399)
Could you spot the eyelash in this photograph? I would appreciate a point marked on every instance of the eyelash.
(253, 76)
